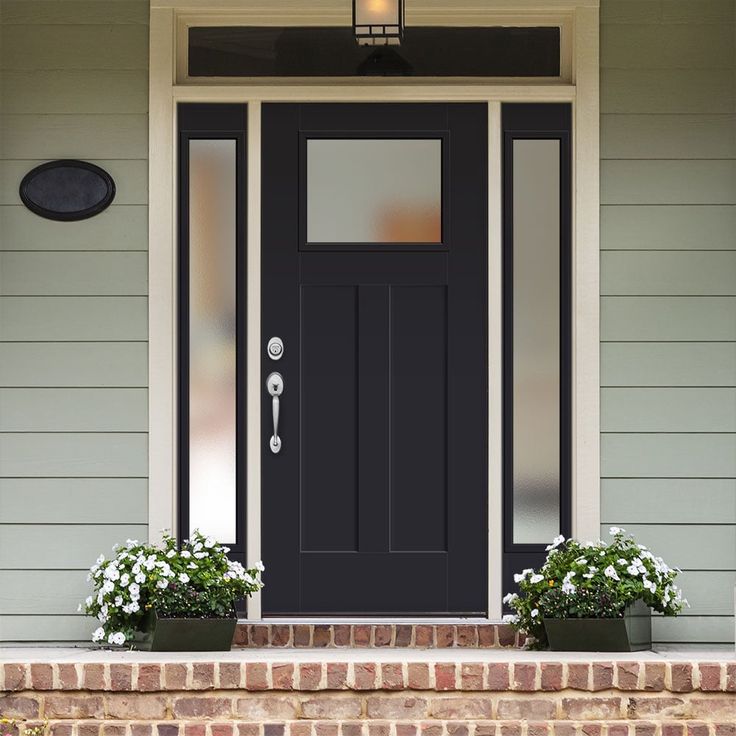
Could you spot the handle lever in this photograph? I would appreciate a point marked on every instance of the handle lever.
(275, 387)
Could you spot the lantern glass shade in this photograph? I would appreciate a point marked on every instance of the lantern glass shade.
(378, 22)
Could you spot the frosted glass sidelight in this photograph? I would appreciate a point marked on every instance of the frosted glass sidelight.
(212, 317)
(536, 340)
(374, 191)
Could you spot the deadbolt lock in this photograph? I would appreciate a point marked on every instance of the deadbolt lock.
(275, 348)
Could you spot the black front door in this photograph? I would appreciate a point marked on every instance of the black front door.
(374, 263)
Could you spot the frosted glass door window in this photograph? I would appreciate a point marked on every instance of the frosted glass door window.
(536, 340)
(374, 191)
(212, 338)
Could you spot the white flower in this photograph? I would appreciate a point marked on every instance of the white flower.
(89, 600)
(209, 542)
(118, 600)
(568, 588)
(192, 566)
(535, 612)
(130, 543)
(521, 576)
(112, 572)
(509, 598)
(614, 530)
(259, 566)
(100, 560)
(632, 570)
(536, 578)
(581, 561)
(510, 618)
(185, 553)
(107, 587)
(140, 578)
(124, 579)
(610, 572)
(98, 634)
(163, 583)
(622, 561)
(117, 638)
(556, 542)
(171, 553)
(200, 555)
(183, 577)
(134, 591)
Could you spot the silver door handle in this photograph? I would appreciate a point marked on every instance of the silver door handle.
(275, 386)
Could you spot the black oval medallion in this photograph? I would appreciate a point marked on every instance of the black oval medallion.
(67, 190)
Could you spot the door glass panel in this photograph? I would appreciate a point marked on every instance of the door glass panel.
(212, 346)
(536, 340)
(374, 191)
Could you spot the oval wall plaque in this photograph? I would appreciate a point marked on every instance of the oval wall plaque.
(67, 190)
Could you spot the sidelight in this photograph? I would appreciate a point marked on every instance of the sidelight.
(378, 190)
(212, 337)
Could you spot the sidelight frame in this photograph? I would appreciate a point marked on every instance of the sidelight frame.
(580, 87)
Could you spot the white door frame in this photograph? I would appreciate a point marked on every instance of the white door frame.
(579, 23)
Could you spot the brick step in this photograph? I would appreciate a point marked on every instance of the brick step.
(389, 728)
(403, 635)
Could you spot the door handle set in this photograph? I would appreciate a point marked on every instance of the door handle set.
(275, 386)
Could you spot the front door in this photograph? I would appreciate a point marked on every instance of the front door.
(374, 433)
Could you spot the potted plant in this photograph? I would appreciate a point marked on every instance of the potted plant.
(594, 596)
(166, 597)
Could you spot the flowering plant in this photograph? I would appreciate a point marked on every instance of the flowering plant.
(194, 580)
(13, 727)
(592, 580)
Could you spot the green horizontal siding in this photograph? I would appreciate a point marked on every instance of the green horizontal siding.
(668, 295)
(71, 136)
(73, 500)
(41, 627)
(657, 455)
(667, 500)
(668, 136)
(675, 318)
(36, 47)
(120, 227)
(74, 364)
(47, 592)
(29, 319)
(668, 364)
(78, 274)
(661, 227)
(73, 410)
(73, 309)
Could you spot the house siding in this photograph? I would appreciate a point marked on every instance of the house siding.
(668, 294)
(73, 308)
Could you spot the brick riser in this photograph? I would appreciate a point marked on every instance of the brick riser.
(408, 698)
(409, 636)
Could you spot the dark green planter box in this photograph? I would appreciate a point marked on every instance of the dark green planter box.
(632, 633)
(186, 634)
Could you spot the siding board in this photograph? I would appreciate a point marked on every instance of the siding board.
(29, 592)
(73, 136)
(668, 91)
(78, 12)
(632, 455)
(73, 455)
(659, 227)
(61, 546)
(667, 500)
(668, 273)
(667, 364)
(77, 274)
(74, 364)
(693, 629)
(30, 319)
(56, 628)
(667, 410)
(700, 319)
(119, 227)
(73, 410)
(668, 182)
(36, 47)
(73, 501)
(44, 92)
(667, 46)
(668, 136)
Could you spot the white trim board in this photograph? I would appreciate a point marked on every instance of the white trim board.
(581, 91)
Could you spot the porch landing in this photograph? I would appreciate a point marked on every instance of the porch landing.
(371, 692)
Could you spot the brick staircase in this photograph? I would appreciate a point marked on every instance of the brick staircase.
(499, 694)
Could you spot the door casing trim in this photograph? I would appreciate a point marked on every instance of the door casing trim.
(583, 93)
